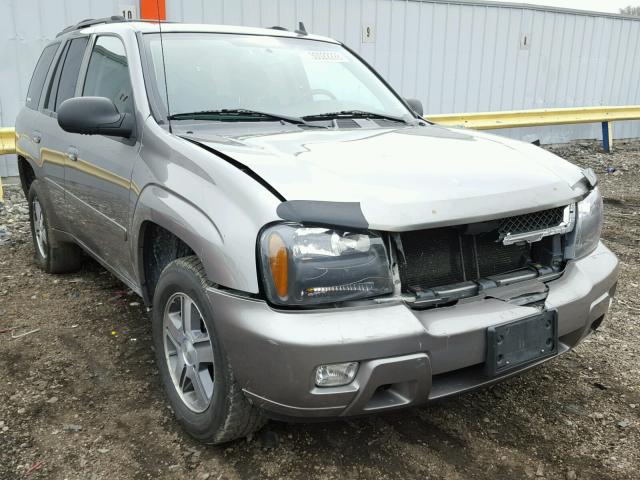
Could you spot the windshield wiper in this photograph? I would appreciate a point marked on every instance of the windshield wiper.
(238, 112)
(353, 114)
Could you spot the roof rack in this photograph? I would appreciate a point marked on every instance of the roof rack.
(92, 21)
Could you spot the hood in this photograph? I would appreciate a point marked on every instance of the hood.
(404, 178)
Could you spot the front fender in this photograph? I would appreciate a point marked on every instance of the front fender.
(187, 222)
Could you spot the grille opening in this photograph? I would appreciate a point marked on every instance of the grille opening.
(465, 256)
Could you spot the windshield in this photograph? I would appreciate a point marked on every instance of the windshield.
(282, 76)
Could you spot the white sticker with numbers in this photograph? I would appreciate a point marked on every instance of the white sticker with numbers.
(128, 11)
(368, 35)
(330, 57)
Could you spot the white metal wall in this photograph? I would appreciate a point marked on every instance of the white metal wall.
(456, 56)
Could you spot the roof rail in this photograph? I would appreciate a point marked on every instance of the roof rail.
(92, 21)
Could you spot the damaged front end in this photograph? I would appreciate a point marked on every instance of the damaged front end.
(510, 259)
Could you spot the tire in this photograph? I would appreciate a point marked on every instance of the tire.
(50, 255)
(199, 383)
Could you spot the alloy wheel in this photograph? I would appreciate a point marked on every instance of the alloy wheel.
(188, 352)
(39, 228)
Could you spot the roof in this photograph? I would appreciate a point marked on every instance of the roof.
(171, 27)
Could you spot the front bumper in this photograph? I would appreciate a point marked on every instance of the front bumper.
(407, 357)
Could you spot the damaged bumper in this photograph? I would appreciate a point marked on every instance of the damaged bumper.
(407, 357)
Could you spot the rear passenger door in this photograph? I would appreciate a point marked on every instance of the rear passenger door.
(98, 173)
(30, 123)
(53, 155)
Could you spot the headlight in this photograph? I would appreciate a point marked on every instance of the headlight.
(588, 225)
(310, 266)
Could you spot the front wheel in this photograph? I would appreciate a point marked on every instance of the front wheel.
(195, 371)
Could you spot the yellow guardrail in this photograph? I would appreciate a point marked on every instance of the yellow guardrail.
(7, 146)
(7, 141)
(542, 117)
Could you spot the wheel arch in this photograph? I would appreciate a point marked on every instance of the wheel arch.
(27, 174)
(165, 220)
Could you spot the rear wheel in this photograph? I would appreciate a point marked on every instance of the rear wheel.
(50, 255)
(195, 371)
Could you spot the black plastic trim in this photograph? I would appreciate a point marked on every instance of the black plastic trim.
(340, 214)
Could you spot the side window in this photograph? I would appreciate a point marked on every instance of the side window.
(39, 76)
(108, 74)
(50, 99)
(70, 70)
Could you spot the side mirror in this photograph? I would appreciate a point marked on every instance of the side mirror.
(416, 105)
(94, 116)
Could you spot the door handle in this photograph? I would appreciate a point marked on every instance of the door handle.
(37, 138)
(72, 154)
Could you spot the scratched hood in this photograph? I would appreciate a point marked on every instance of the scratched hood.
(405, 178)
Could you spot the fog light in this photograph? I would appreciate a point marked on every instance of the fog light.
(336, 374)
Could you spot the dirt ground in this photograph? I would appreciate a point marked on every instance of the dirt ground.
(80, 397)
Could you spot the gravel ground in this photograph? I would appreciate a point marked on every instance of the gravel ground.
(80, 397)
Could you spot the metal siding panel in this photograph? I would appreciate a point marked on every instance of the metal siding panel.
(367, 17)
(463, 78)
(588, 58)
(395, 46)
(423, 53)
(553, 60)
(174, 11)
(106, 8)
(535, 31)
(490, 53)
(320, 14)
(77, 10)
(231, 12)
(452, 39)
(568, 62)
(352, 24)
(578, 61)
(304, 11)
(383, 39)
(192, 11)
(337, 21)
(606, 61)
(621, 87)
(251, 13)
(288, 16)
(453, 57)
(477, 35)
(503, 31)
(510, 59)
(633, 85)
(411, 42)
(438, 58)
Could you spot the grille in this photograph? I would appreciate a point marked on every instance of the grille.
(531, 222)
(444, 256)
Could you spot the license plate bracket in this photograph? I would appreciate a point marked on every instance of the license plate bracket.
(513, 344)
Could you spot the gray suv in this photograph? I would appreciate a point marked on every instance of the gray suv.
(311, 247)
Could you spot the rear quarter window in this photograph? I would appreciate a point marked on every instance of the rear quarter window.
(39, 76)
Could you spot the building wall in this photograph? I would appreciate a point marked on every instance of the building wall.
(455, 56)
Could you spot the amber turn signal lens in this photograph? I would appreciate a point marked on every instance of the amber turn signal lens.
(279, 263)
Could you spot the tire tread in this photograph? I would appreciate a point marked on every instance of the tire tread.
(62, 257)
(241, 417)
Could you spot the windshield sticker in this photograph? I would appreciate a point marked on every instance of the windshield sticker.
(327, 56)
